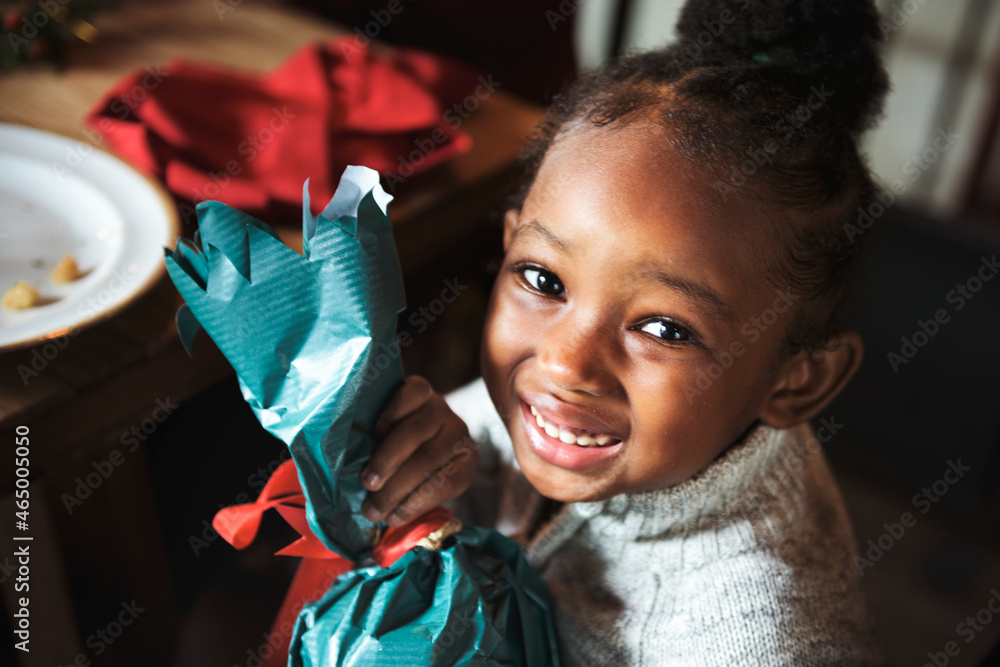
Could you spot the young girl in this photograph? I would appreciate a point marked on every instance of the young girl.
(665, 323)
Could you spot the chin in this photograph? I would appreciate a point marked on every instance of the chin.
(562, 485)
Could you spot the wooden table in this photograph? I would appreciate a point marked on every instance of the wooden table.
(110, 377)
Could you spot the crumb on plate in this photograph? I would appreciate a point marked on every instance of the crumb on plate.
(22, 295)
(65, 271)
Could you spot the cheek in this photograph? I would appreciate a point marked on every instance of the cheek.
(683, 427)
(728, 390)
(663, 402)
(503, 334)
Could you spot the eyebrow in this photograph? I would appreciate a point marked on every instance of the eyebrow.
(694, 290)
(535, 228)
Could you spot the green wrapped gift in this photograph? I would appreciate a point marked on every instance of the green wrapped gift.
(303, 333)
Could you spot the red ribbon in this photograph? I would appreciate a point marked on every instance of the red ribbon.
(239, 524)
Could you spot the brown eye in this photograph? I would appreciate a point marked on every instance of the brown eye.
(544, 281)
(666, 330)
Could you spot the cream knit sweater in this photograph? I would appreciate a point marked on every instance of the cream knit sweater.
(750, 562)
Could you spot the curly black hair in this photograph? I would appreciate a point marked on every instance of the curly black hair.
(770, 97)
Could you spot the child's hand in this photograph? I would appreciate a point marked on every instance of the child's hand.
(426, 458)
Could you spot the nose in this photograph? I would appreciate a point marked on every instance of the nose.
(575, 354)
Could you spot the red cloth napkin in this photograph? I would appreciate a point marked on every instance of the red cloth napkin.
(251, 140)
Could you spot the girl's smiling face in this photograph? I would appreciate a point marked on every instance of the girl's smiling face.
(625, 290)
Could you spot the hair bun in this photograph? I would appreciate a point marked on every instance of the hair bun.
(833, 43)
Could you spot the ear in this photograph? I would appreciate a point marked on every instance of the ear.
(810, 380)
(510, 220)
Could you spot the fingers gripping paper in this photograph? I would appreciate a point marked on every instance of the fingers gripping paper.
(304, 335)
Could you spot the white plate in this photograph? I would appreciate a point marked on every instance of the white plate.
(60, 197)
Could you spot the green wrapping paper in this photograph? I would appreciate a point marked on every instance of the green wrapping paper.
(301, 332)
(311, 338)
(475, 602)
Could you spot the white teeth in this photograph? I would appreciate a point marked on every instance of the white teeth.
(568, 436)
